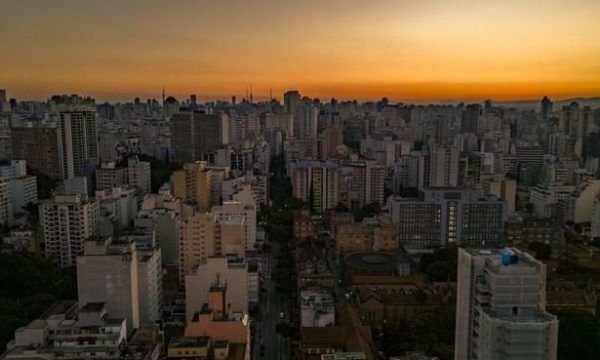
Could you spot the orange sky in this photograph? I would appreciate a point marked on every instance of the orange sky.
(405, 50)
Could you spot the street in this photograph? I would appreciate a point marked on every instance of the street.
(333, 261)
(272, 304)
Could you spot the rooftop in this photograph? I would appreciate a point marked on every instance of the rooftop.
(186, 342)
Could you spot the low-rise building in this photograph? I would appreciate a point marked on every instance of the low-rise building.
(372, 234)
(303, 225)
(529, 228)
(232, 272)
(228, 331)
(66, 332)
(317, 308)
(312, 270)
(348, 335)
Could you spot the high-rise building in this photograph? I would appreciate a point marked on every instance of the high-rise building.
(530, 160)
(500, 307)
(193, 184)
(470, 119)
(162, 212)
(109, 175)
(126, 278)
(78, 142)
(443, 166)
(6, 209)
(138, 174)
(503, 188)
(546, 109)
(196, 242)
(364, 182)
(40, 147)
(23, 191)
(317, 183)
(4, 105)
(449, 216)
(67, 221)
(570, 120)
(244, 206)
(194, 134)
(305, 118)
(291, 99)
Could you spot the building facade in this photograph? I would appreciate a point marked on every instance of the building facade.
(67, 221)
(500, 308)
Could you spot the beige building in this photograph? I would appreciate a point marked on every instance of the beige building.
(503, 188)
(233, 273)
(196, 242)
(193, 184)
(228, 331)
(209, 234)
(246, 197)
(373, 234)
(126, 278)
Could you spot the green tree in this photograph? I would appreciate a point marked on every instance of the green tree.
(578, 336)
(29, 284)
(440, 265)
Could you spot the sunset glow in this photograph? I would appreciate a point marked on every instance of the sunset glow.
(406, 50)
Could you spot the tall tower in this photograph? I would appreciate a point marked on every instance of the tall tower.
(546, 108)
(291, 99)
(79, 142)
(194, 134)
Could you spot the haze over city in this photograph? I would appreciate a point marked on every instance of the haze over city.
(300, 180)
(404, 50)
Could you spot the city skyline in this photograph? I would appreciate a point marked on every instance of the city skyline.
(409, 51)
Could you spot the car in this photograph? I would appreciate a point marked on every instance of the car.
(281, 315)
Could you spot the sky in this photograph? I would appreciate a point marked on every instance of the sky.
(422, 50)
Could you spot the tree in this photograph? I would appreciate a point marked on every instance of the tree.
(542, 251)
(441, 264)
(29, 284)
(578, 336)
(367, 211)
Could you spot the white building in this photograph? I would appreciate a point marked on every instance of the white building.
(67, 220)
(58, 335)
(500, 307)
